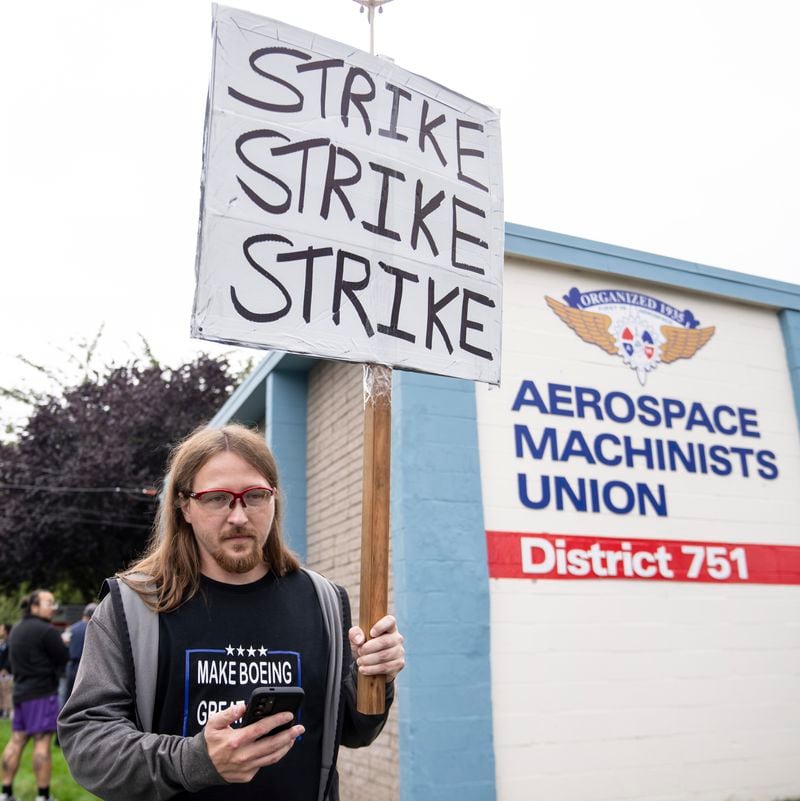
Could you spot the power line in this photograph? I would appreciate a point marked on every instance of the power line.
(99, 516)
(109, 524)
(150, 492)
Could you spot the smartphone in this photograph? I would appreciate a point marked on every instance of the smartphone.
(266, 701)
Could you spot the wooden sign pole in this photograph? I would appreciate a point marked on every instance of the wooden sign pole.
(371, 690)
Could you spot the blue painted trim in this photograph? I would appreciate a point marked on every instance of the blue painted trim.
(247, 404)
(285, 429)
(790, 326)
(571, 251)
(441, 589)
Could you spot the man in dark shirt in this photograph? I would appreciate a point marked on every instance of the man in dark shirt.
(37, 657)
(77, 634)
(217, 608)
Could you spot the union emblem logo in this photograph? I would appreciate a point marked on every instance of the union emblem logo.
(642, 330)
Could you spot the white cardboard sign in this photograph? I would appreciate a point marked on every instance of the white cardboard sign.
(350, 209)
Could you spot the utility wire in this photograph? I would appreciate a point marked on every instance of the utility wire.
(148, 491)
(109, 524)
(89, 514)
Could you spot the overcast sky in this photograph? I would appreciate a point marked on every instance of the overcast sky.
(670, 127)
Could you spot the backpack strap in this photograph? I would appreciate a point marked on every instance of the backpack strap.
(111, 587)
(347, 664)
(330, 602)
(138, 627)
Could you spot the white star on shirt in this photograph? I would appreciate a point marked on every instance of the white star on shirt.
(251, 651)
(262, 651)
(240, 651)
(229, 650)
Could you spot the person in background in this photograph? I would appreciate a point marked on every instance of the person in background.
(6, 680)
(37, 657)
(75, 639)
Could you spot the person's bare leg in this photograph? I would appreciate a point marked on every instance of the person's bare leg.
(5, 696)
(42, 762)
(12, 754)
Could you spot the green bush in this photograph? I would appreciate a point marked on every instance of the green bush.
(9, 608)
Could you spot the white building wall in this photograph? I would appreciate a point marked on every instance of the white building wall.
(623, 689)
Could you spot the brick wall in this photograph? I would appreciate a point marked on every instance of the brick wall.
(333, 526)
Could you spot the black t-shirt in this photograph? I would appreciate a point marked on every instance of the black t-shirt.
(37, 657)
(229, 639)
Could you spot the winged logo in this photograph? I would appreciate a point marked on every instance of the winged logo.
(642, 330)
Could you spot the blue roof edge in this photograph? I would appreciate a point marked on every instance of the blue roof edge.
(255, 384)
(247, 388)
(535, 243)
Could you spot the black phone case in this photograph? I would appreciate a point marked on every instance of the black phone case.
(265, 701)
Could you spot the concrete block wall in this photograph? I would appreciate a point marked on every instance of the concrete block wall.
(604, 691)
(335, 436)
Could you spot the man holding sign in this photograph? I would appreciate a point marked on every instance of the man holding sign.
(216, 608)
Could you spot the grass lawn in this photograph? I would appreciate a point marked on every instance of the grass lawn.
(62, 785)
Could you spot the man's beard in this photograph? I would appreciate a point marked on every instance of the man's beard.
(244, 560)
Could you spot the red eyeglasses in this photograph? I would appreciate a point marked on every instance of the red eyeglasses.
(216, 500)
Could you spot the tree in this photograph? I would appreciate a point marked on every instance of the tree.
(78, 487)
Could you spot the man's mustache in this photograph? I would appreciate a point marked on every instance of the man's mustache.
(238, 533)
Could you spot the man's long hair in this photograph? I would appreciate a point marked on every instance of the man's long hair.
(169, 572)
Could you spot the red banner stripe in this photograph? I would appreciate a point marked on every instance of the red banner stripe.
(514, 554)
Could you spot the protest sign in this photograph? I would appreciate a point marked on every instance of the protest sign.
(350, 209)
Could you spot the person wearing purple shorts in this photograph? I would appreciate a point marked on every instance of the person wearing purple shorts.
(37, 657)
